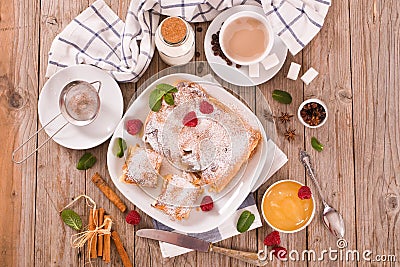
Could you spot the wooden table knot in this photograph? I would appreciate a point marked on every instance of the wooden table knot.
(51, 20)
(344, 96)
(392, 202)
(200, 67)
(15, 100)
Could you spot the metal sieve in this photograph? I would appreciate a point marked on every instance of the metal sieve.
(79, 104)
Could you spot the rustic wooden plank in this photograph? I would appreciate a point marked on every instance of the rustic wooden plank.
(334, 166)
(58, 180)
(293, 169)
(19, 35)
(125, 230)
(375, 64)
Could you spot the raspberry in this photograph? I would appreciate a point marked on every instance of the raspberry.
(206, 108)
(133, 217)
(134, 126)
(207, 203)
(279, 252)
(304, 192)
(273, 239)
(190, 119)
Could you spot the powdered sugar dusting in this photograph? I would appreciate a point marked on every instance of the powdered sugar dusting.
(142, 166)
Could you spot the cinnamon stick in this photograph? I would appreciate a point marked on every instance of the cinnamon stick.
(93, 221)
(107, 242)
(121, 251)
(108, 192)
(100, 237)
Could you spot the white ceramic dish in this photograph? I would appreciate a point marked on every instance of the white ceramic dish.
(81, 137)
(230, 73)
(310, 101)
(284, 231)
(198, 221)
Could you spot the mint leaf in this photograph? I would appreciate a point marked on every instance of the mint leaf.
(282, 96)
(120, 147)
(169, 99)
(157, 106)
(165, 87)
(246, 219)
(86, 161)
(173, 90)
(316, 144)
(155, 96)
(71, 219)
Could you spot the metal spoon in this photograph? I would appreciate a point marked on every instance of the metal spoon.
(333, 220)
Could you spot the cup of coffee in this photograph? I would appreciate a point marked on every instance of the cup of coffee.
(246, 38)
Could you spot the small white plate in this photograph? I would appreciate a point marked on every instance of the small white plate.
(232, 74)
(81, 137)
(229, 201)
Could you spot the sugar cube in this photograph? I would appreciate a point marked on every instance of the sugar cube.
(294, 70)
(310, 75)
(254, 70)
(270, 61)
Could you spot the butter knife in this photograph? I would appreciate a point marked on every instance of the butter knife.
(258, 259)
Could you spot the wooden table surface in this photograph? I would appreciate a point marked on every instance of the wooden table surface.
(357, 54)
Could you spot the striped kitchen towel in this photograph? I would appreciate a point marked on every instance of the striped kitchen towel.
(99, 37)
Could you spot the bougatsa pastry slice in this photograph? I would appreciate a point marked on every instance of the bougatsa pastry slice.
(178, 196)
(141, 167)
(215, 144)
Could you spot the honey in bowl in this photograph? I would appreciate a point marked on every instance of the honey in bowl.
(284, 210)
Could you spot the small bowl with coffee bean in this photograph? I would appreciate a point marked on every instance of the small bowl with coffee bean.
(312, 113)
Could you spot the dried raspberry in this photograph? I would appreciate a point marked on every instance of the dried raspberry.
(279, 252)
(273, 239)
(133, 217)
(134, 126)
(190, 119)
(207, 203)
(206, 108)
(304, 192)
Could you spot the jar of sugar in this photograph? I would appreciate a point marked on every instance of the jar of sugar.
(175, 41)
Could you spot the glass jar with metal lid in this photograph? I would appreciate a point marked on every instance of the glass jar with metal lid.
(175, 41)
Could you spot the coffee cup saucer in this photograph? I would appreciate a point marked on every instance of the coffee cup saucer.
(240, 76)
(98, 131)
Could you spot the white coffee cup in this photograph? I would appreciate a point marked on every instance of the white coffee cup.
(260, 18)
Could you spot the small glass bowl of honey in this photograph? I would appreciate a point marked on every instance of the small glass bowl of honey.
(283, 210)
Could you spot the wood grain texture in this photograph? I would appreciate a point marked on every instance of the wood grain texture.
(19, 45)
(334, 166)
(375, 69)
(58, 181)
(357, 54)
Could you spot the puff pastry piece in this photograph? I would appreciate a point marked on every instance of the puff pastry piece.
(178, 196)
(141, 167)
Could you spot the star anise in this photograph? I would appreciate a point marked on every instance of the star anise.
(285, 117)
(290, 134)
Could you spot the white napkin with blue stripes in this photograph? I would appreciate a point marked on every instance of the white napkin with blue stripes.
(99, 37)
